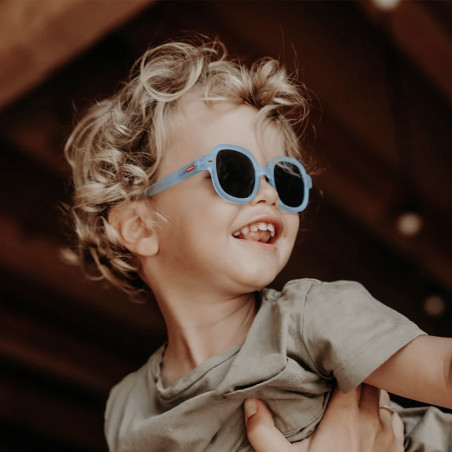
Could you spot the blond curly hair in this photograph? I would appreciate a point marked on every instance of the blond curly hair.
(116, 149)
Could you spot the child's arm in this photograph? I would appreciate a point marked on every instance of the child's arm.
(422, 370)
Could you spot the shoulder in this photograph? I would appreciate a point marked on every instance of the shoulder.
(347, 332)
(310, 303)
(319, 310)
(317, 287)
(322, 301)
(314, 291)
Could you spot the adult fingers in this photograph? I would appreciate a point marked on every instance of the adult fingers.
(261, 431)
(349, 399)
(396, 422)
(398, 428)
(369, 401)
(384, 398)
(352, 421)
(369, 419)
(341, 403)
(373, 400)
(386, 411)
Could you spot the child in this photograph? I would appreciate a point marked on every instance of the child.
(169, 197)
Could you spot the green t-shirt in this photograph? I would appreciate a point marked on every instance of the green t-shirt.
(303, 341)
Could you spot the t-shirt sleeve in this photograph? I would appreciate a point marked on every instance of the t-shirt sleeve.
(348, 334)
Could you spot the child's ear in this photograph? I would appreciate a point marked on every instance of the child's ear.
(133, 222)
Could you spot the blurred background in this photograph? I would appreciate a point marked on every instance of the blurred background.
(381, 215)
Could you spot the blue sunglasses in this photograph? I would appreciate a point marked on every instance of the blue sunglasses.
(236, 177)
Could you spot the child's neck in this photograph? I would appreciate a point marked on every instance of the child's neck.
(202, 331)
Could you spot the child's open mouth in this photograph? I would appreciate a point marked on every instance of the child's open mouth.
(259, 232)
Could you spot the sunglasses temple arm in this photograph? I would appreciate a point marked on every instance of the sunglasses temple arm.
(178, 176)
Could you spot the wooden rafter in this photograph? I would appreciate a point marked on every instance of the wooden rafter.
(418, 33)
(37, 37)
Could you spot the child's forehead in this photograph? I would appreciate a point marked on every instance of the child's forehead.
(226, 121)
(195, 102)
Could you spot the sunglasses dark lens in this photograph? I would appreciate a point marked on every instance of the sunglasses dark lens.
(235, 173)
(289, 184)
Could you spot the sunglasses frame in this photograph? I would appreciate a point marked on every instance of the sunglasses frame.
(208, 163)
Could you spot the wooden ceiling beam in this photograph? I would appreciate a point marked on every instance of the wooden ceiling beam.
(37, 37)
(419, 34)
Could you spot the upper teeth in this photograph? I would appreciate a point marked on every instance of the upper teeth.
(261, 226)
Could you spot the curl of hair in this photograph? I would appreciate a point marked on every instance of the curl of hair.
(116, 149)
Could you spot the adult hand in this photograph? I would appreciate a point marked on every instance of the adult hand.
(352, 422)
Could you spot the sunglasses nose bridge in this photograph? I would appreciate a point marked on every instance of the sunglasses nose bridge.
(266, 190)
(263, 171)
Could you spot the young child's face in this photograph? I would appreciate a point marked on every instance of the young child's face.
(199, 243)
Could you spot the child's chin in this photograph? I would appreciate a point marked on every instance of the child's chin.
(257, 281)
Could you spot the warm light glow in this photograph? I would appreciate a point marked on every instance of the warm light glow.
(409, 224)
(386, 5)
(434, 305)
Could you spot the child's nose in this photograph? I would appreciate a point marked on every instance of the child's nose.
(266, 193)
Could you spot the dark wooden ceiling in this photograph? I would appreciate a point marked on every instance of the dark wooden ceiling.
(383, 129)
